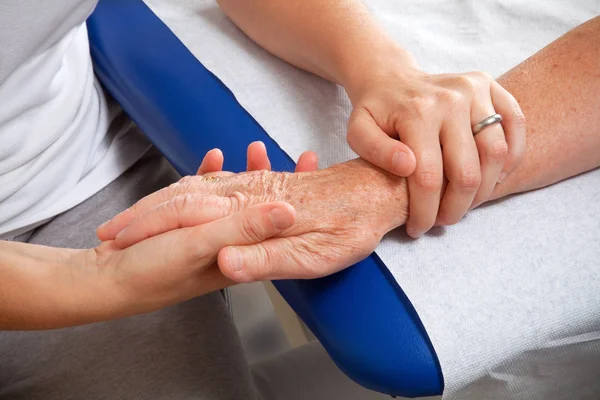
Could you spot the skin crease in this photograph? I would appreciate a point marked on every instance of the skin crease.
(393, 99)
(561, 144)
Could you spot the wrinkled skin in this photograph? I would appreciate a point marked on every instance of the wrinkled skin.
(342, 214)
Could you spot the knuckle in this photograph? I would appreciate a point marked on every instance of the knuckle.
(469, 177)
(176, 188)
(253, 229)
(259, 181)
(429, 180)
(498, 150)
(481, 76)
(186, 180)
(263, 175)
(182, 203)
(420, 107)
(466, 82)
(450, 97)
(237, 202)
(171, 190)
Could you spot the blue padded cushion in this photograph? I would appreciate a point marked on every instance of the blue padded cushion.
(360, 315)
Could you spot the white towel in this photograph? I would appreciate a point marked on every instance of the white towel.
(510, 297)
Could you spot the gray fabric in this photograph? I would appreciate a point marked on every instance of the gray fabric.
(307, 373)
(188, 351)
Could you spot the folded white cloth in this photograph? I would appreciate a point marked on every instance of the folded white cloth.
(510, 296)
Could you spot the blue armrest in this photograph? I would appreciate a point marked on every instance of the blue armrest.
(361, 316)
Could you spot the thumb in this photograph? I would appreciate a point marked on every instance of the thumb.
(371, 143)
(252, 225)
(278, 258)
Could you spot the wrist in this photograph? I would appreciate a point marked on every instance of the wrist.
(110, 291)
(379, 198)
(42, 288)
(384, 63)
(80, 292)
(132, 283)
(389, 192)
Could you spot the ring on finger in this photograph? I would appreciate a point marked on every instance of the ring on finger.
(491, 120)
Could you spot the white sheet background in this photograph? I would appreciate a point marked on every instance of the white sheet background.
(510, 296)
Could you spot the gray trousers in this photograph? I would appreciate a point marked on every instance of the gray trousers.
(187, 351)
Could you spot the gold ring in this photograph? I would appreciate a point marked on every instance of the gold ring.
(212, 179)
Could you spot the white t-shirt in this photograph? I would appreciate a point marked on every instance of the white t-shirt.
(61, 139)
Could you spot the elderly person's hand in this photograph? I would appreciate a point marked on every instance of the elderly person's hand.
(401, 112)
(342, 214)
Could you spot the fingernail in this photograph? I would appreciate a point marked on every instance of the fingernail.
(280, 219)
(121, 234)
(501, 177)
(400, 161)
(235, 259)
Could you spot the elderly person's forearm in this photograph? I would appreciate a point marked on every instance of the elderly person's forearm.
(559, 91)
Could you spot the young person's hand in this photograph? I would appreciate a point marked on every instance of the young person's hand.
(68, 287)
(405, 121)
(420, 126)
